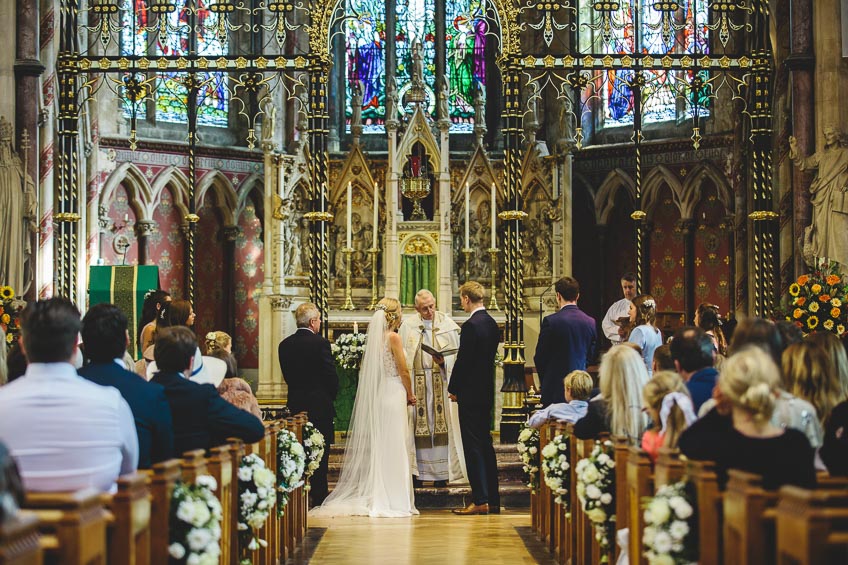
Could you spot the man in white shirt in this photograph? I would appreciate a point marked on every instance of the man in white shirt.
(65, 432)
(619, 309)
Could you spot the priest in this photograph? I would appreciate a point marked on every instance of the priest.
(435, 446)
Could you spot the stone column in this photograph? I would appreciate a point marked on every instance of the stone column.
(688, 227)
(444, 293)
(391, 259)
(229, 235)
(143, 229)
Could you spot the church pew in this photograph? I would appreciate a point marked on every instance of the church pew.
(544, 490)
(565, 533)
(19, 540)
(708, 500)
(812, 526)
(749, 512)
(302, 503)
(164, 477)
(237, 450)
(273, 528)
(193, 465)
(669, 468)
(268, 451)
(621, 449)
(591, 550)
(128, 532)
(639, 484)
(72, 526)
(553, 508)
(220, 466)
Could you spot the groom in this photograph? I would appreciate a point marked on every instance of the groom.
(310, 372)
(472, 388)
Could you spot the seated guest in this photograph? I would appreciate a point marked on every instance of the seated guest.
(831, 344)
(645, 333)
(809, 374)
(708, 319)
(618, 409)
(11, 486)
(578, 389)
(105, 339)
(16, 363)
(202, 419)
(176, 313)
(154, 301)
(693, 353)
(4, 370)
(662, 359)
(750, 385)
(66, 433)
(834, 450)
(670, 408)
(233, 389)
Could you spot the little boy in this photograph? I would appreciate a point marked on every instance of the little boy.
(578, 389)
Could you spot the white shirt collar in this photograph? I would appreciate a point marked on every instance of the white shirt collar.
(62, 370)
(120, 363)
(476, 310)
(307, 329)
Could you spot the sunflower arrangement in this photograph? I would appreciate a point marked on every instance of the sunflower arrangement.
(817, 301)
(10, 314)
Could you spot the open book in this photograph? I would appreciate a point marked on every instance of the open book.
(432, 351)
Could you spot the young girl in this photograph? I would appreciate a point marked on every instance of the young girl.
(708, 319)
(669, 406)
(645, 334)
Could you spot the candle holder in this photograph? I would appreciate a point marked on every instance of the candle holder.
(493, 301)
(373, 253)
(467, 252)
(348, 305)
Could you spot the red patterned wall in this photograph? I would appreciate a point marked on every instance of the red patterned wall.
(666, 255)
(620, 247)
(712, 252)
(250, 271)
(118, 210)
(165, 246)
(209, 294)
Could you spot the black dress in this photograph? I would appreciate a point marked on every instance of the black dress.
(834, 451)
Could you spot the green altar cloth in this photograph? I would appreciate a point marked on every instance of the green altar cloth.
(125, 287)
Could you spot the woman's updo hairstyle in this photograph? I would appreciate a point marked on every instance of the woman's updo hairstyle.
(646, 310)
(217, 341)
(391, 308)
(751, 381)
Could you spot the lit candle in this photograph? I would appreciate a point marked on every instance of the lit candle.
(494, 206)
(349, 212)
(355, 328)
(376, 214)
(467, 214)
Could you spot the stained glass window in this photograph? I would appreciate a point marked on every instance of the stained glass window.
(171, 95)
(466, 58)
(416, 20)
(365, 36)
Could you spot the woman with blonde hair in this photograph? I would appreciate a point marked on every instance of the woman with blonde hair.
(645, 333)
(233, 388)
(218, 341)
(834, 348)
(809, 374)
(4, 370)
(375, 480)
(618, 409)
(670, 408)
(749, 384)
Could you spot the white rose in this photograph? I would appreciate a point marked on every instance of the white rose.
(216, 532)
(525, 435)
(597, 515)
(207, 481)
(185, 512)
(659, 511)
(662, 542)
(606, 498)
(253, 545)
(201, 514)
(264, 478)
(678, 529)
(564, 465)
(209, 559)
(193, 559)
(684, 510)
(648, 535)
(198, 539)
(603, 458)
(593, 492)
(176, 551)
(549, 451)
(245, 473)
(611, 463)
(661, 560)
(533, 450)
(591, 474)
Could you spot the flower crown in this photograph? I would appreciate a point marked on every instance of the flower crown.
(390, 316)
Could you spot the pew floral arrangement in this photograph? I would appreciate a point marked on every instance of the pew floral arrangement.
(257, 497)
(348, 349)
(596, 491)
(291, 463)
(555, 466)
(670, 535)
(313, 447)
(528, 450)
(818, 301)
(195, 532)
(10, 314)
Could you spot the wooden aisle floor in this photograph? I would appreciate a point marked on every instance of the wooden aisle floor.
(435, 536)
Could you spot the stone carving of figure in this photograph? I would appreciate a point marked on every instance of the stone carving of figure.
(566, 118)
(17, 213)
(444, 96)
(543, 246)
(269, 123)
(417, 64)
(356, 105)
(305, 259)
(479, 107)
(340, 241)
(829, 192)
(293, 246)
(391, 98)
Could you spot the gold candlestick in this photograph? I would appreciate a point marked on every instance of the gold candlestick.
(493, 301)
(373, 253)
(467, 252)
(348, 305)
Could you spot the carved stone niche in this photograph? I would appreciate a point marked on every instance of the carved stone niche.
(281, 303)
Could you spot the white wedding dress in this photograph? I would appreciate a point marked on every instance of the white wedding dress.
(375, 477)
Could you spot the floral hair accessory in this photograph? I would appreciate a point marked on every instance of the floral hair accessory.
(649, 303)
(149, 293)
(210, 336)
(390, 316)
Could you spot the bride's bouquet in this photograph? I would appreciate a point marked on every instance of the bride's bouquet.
(348, 349)
(290, 465)
(257, 497)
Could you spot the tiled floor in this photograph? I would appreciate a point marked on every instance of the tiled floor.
(436, 536)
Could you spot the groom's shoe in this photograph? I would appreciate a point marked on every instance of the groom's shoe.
(472, 509)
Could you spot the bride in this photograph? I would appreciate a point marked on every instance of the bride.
(375, 477)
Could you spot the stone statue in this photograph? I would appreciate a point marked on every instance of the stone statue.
(17, 213)
(829, 192)
(417, 64)
(444, 96)
(269, 123)
(356, 105)
(391, 99)
(479, 107)
(566, 119)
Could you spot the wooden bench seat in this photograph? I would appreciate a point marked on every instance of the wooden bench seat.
(19, 540)
(72, 525)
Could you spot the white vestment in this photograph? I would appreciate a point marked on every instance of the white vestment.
(618, 310)
(430, 458)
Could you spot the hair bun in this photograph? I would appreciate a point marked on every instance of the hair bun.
(759, 399)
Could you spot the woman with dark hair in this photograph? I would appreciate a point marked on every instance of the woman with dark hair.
(645, 333)
(176, 313)
(708, 319)
(154, 301)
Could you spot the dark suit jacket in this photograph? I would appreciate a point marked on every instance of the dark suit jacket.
(472, 379)
(310, 372)
(202, 419)
(566, 343)
(149, 406)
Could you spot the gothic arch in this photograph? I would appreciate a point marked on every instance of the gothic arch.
(692, 188)
(220, 187)
(136, 185)
(652, 188)
(616, 180)
(253, 183)
(179, 183)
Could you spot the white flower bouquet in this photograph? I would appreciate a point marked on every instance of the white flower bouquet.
(291, 464)
(596, 491)
(348, 349)
(528, 449)
(257, 497)
(313, 446)
(195, 523)
(555, 467)
(670, 535)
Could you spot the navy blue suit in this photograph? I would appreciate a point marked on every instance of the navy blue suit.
(149, 407)
(566, 343)
(472, 382)
(202, 419)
